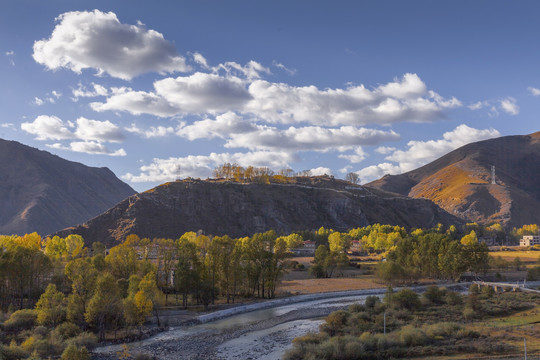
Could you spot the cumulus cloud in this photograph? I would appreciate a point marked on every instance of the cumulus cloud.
(283, 67)
(151, 132)
(94, 90)
(318, 171)
(509, 105)
(405, 99)
(98, 130)
(48, 128)
(478, 105)
(385, 149)
(419, 153)
(203, 93)
(161, 170)
(92, 133)
(223, 126)
(136, 102)
(534, 91)
(88, 147)
(98, 40)
(358, 156)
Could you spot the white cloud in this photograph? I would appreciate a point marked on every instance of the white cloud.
(203, 93)
(358, 156)
(98, 130)
(373, 172)
(38, 102)
(420, 153)
(401, 100)
(48, 128)
(11, 54)
(98, 40)
(161, 170)
(318, 171)
(534, 91)
(223, 126)
(385, 149)
(479, 105)
(153, 131)
(510, 106)
(8, 126)
(88, 147)
(94, 91)
(284, 68)
(92, 133)
(136, 102)
(56, 94)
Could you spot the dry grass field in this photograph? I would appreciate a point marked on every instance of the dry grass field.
(524, 256)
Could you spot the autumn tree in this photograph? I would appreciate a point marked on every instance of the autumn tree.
(51, 307)
(82, 274)
(105, 310)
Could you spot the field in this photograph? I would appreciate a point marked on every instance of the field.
(524, 256)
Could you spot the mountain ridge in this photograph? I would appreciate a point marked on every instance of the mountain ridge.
(42, 192)
(221, 207)
(460, 181)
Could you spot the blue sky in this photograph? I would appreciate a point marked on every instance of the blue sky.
(163, 90)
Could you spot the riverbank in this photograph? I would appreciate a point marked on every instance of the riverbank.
(212, 337)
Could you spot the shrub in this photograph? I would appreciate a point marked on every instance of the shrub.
(21, 320)
(487, 292)
(411, 336)
(12, 352)
(469, 313)
(434, 295)
(533, 274)
(86, 339)
(371, 301)
(474, 289)
(356, 308)
(67, 330)
(453, 298)
(74, 353)
(406, 299)
(441, 329)
(335, 322)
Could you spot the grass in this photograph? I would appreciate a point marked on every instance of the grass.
(309, 286)
(525, 256)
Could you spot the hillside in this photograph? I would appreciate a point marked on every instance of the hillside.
(45, 193)
(460, 182)
(235, 209)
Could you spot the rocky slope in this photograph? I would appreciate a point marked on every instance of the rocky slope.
(45, 193)
(223, 207)
(460, 182)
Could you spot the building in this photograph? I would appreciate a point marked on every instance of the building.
(529, 240)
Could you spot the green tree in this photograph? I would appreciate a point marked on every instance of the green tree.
(122, 261)
(82, 274)
(105, 308)
(51, 307)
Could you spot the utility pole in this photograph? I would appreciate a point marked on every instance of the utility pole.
(525, 344)
(493, 175)
(385, 323)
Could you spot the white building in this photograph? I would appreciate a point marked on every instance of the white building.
(529, 240)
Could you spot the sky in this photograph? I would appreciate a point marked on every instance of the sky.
(159, 91)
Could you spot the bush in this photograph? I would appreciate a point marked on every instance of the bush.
(434, 295)
(441, 329)
(86, 339)
(356, 307)
(406, 299)
(469, 313)
(67, 330)
(453, 298)
(74, 353)
(533, 274)
(474, 289)
(12, 352)
(335, 322)
(21, 320)
(411, 336)
(371, 301)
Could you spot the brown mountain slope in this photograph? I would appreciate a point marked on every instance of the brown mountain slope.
(460, 182)
(222, 207)
(44, 193)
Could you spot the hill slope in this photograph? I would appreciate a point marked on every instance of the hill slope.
(223, 207)
(460, 182)
(44, 193)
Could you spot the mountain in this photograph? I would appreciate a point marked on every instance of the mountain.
(221, 207)
(461, 182)
(45, 193)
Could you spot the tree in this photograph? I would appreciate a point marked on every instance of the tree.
(339, 242)
(82, 274)
(122, 261)
(469, 239)
(352, 177)
(51, 307)
(105, 308)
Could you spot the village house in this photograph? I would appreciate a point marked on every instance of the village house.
(529, 240)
